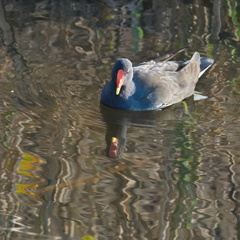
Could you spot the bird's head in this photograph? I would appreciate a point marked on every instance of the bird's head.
(122, 73)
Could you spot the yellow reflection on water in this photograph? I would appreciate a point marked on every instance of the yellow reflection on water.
(30, 166)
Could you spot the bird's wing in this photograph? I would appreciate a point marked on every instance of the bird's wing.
(170, 55)
(163, 84)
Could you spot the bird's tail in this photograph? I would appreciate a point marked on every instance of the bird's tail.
(205, 64)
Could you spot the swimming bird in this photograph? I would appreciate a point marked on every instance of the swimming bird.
(155, 84)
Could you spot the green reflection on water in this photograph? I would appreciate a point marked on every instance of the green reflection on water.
(136, 27)
(187, 166)
(234, 11)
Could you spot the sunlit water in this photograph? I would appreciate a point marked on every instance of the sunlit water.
(176, 173)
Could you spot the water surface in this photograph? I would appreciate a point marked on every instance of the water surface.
(176, 171)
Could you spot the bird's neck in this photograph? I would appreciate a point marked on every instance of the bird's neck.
(128, 89)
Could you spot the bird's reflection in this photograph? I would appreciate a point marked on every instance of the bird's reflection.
(117, 122)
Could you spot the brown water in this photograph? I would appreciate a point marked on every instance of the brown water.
(177, 171)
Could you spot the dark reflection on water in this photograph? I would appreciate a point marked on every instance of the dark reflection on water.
(118, 121)
(176, 174)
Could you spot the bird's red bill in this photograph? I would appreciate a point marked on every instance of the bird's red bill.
(120, 79)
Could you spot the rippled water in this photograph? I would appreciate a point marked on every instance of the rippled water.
(176, 172)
